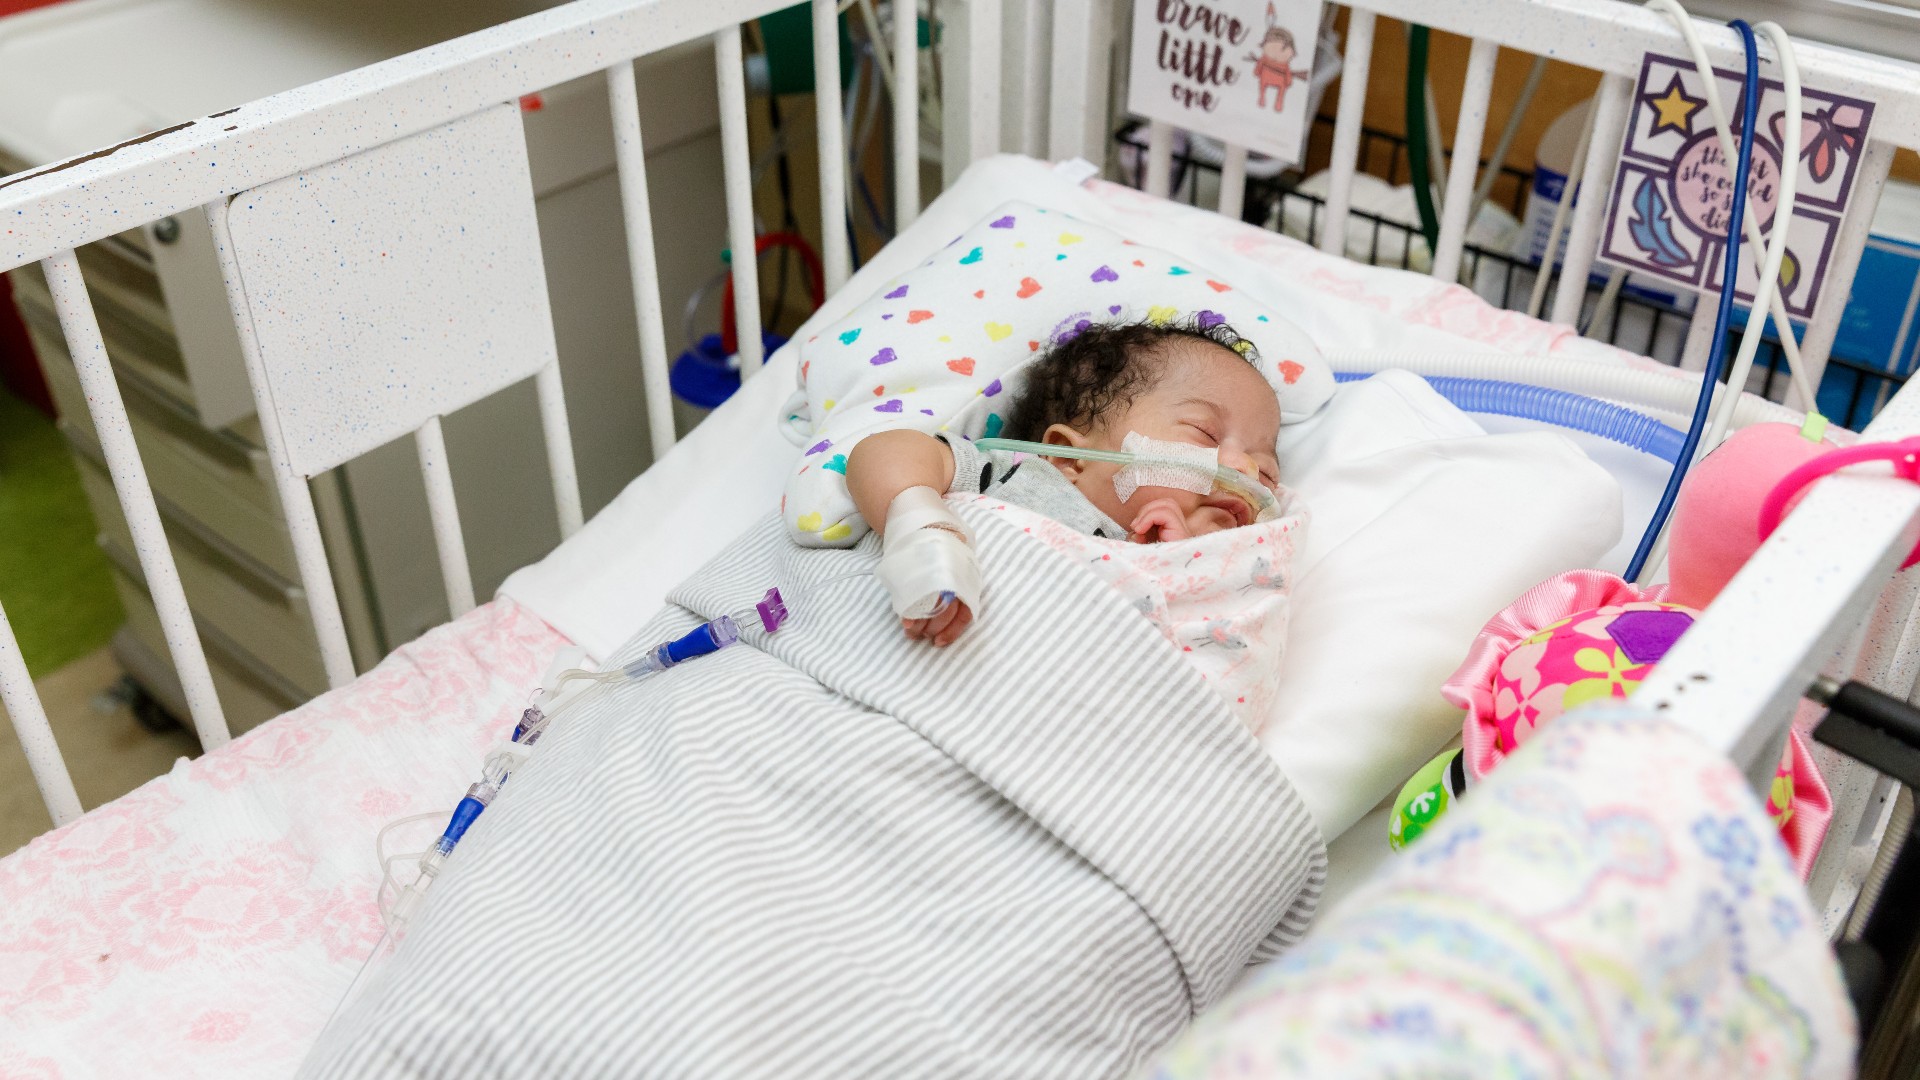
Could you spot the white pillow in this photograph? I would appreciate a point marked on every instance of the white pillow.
(942, 347)
(1422, 528)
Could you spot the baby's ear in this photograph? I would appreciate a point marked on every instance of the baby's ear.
(1062, 435)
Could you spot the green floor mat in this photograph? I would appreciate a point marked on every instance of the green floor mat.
(54, 581)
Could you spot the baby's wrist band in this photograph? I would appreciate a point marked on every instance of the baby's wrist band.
(926, 551)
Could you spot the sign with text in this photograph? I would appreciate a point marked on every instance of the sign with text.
(1673, 193)
(1237, 70)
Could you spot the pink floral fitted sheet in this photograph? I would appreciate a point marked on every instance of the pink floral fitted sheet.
(206, 923)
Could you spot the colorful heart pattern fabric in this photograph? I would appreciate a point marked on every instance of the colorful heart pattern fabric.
(942, 347)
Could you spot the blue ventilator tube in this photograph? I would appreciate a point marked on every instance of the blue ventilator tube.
(1562, 408)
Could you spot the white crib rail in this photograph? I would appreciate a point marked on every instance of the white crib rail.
(205, 162)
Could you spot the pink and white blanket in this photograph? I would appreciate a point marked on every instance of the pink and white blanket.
(206, 923)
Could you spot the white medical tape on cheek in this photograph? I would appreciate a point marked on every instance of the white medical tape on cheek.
(926, 553)
(1178, 465)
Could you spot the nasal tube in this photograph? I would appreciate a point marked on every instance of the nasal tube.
(1563, 408)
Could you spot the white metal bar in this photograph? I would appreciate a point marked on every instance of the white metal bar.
(1159, 158)
(1884, 664)
(109, 412)
(559, 437)
(906, 114)
(983, 77)
(1614, 38)
(1077, 117)
(1583, 239)
(1035, 43)
(1346, 131)
(1467, 137)
(30, 724)
(1843, 265)
(833, 152)
(739, 177)
(629, 154)
(1736, 677)
(79, 201)
(447, 535)
(1233, 182)
(296, 499)
(193, 163)
(1693, 353)
(1504, 145)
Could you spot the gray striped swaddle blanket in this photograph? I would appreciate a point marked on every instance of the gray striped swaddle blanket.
(838, 853)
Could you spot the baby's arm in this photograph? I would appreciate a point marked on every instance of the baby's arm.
(881, 467)
(887, 463)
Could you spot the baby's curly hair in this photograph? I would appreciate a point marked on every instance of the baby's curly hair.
(1103, 367)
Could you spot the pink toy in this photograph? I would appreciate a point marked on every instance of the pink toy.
(1716, 521)
(1588, 636)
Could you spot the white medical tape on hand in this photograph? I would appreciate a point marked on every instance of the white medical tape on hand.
(926, 552)
(1178, 465)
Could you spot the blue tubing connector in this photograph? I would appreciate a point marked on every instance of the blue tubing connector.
(1562, 408)
(708, 637)
(463, 818)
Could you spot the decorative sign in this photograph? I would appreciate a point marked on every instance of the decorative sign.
(1237, 70)
(1672, 193)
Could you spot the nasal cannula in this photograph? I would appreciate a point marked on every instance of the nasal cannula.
(1265, 506)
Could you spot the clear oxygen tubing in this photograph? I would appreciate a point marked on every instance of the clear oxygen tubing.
(1265, 506)
(1670, 391)
(1562, 408)
(1749, 221)
(1749, 115)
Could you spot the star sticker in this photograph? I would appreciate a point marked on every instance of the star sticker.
(1673, 109)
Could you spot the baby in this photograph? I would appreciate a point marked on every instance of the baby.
(1174, 383)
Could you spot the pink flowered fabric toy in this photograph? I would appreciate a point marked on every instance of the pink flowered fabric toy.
(1587, 636)
(1535, 661)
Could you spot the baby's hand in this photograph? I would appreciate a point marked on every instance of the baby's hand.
(943, 626)
(1158, 522)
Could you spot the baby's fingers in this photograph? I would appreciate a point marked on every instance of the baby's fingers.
(958, 619)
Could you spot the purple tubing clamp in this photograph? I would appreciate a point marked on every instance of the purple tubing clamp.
(773, 610)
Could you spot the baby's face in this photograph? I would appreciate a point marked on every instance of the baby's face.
(1207, 396)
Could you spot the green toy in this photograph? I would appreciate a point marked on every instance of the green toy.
(1430, 793)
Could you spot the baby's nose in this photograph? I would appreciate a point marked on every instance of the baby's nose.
(1239, 461)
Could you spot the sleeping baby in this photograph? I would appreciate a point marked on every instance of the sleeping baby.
(1170, 387)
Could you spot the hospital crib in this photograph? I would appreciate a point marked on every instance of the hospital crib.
(329, 202)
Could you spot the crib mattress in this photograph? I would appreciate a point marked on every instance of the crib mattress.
(207, 923)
